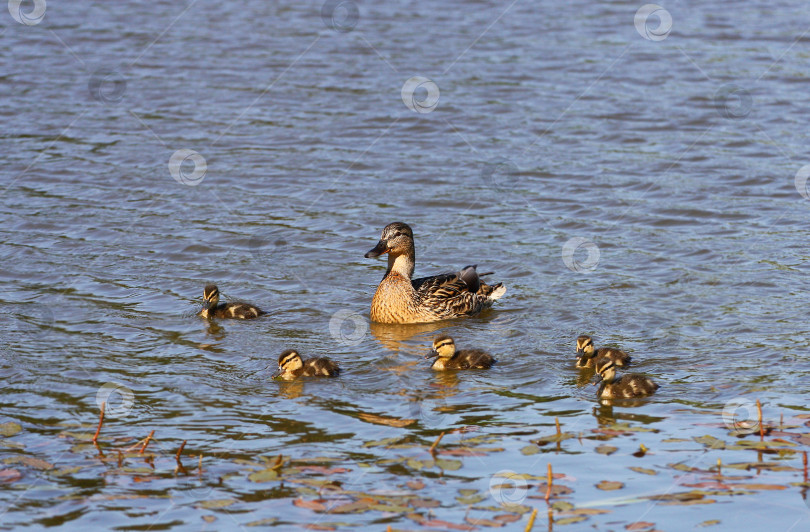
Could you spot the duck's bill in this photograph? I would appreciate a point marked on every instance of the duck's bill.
(432, 354)
(580, 352)
(276, 374)
(597, 380)
(379, 249)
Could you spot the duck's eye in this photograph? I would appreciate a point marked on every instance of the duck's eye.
(397, 234)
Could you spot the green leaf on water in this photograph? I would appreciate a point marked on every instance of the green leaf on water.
(570, 520)
(530, 450)
(215, 504)
(469, 500)
(448, 465)
(562, 506)
(711, 442)
(609, 485)
(9, 428)
(606, 449)
(265, 475)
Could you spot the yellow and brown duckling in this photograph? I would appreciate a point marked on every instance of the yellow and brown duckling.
(588, 356)
(291, 366)
(401, 299)
(212, 308)
(444, 350)
(624, 387)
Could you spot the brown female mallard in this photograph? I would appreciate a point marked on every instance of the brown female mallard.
(401, 299)
(212, 308)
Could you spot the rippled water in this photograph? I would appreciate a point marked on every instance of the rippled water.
(645, 189)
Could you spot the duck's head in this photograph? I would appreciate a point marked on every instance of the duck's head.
(210, 296)
(396, 238)
(585, 347)
(443, 347)
(289, 361)
(605, 371)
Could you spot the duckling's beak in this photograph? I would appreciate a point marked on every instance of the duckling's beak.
(597, 379)
(433, 354)
(380, 249)
(276, 373)
(580, 352)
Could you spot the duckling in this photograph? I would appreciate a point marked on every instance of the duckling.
(212, 308)
(401, 299)
(291, 366)
(625, 387)
(448, 358)
(587, 356)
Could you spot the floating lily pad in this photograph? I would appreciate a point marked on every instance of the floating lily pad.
(215, 504)
(644, 470)
(606, 449)
(9, 428)
(265, 475)
(610, 485)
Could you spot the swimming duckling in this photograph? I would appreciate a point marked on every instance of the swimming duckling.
(625, 387)
(212, 308)
(448, 358)
(291, 366)
(587, 356)
(401, 299)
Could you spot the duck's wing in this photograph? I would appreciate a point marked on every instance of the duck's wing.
(456, 294)
(321, 367)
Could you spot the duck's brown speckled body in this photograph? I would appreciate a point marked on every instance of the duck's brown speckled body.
(212, 308)
(291, 366)
(625, 387)
(401, 299)
(447, 358)
(588, 357)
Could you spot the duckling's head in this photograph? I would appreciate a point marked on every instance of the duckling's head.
(210, 296)
(443, 347)
(289, 360)
(396, 238)
(585, 347)
(605, 371)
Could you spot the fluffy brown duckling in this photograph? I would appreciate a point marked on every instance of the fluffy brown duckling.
(624, 387)
(291, 366)
(444, 348)
(212, 308)
(588, 356)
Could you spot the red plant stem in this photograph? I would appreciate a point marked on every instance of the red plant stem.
(146, 442)
(180, 450)
(100, 421)
(804, 459)
(550, 477)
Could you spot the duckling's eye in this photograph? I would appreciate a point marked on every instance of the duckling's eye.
(397, 234)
